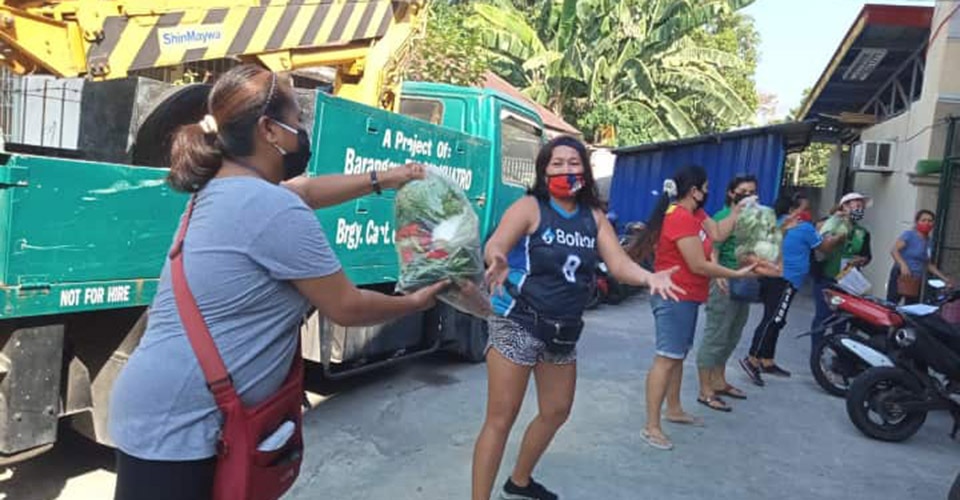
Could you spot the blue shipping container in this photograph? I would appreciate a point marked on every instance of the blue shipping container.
(640, 170)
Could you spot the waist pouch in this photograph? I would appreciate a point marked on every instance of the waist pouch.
(559, 335)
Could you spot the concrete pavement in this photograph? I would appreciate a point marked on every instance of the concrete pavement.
(407, 433)
(410, 435)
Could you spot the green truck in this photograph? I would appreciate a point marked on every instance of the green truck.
(84, 232)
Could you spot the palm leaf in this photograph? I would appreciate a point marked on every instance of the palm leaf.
(701, 55)
(506, 31)
(677, 118)
(715, 95)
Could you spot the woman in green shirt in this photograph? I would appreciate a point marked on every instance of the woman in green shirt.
(726, 318)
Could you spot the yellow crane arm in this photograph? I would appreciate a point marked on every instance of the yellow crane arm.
(106, 39)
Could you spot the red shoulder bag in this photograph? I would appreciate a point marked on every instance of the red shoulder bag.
(254, 461)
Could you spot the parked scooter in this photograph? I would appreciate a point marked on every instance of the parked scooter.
(862, 329)
(890, 403)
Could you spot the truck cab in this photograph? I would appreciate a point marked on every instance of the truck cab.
(515, 132)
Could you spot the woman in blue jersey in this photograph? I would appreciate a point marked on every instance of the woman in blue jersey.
(540, 261)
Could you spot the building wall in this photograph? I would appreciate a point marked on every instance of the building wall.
(918, 134)
(895, 198)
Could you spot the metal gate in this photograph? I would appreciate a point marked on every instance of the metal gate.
(947, 230)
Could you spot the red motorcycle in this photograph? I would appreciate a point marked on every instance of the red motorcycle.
(863, 336)
(862, 329)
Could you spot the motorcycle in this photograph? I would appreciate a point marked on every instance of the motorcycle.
(890, 403)
(862, 329)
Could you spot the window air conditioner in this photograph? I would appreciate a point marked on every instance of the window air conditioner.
(873, 156)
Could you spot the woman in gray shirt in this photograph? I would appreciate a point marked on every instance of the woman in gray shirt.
(257, 261)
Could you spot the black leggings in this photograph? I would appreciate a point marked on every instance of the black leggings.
(777, 295)
(139, 479)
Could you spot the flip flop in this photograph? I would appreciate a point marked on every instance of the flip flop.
(715, 403)
(659, 443)
(687, 419)
(731, 391)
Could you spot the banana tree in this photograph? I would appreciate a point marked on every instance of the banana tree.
(621, 64)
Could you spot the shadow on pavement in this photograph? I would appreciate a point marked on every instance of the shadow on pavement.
(46, 476)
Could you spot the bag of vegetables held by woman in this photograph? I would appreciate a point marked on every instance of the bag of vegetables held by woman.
(835, 225)
(439, 238)
(756, 234)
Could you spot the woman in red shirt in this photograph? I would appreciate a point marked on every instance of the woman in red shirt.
(683, 235)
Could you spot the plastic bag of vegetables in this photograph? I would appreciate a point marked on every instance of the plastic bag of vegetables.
(756, 233)
(439, 238)
(835, 225)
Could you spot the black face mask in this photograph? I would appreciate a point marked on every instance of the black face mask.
(295, 162)
(703, 202)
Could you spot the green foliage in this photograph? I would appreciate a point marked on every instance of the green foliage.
(448, 52)
(648, 69)
(809, 168)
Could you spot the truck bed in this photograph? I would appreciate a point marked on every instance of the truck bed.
(80, 236)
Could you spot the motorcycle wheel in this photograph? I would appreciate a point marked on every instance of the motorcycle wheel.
(593, 297)
(833, 370)
(615, 293)
(872, 404)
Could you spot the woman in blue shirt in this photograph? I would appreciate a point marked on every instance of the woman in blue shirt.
(799, 239)
(911, 255)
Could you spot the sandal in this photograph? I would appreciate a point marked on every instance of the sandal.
(658, 442)
(685, 419)
(715, 403)
(731, 391)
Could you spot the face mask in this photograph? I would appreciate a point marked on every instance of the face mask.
(564, 185)
(804, 216)
(703, 201)
(924, 228)
(856, 214)
(295, 162)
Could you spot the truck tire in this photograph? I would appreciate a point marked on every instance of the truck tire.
(871, 390)
(465, 334)
(475, 342)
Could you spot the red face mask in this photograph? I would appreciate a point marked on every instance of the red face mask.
(565, 185)
(804, 216)
(924, 228)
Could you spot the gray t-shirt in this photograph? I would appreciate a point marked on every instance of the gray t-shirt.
(247, 239)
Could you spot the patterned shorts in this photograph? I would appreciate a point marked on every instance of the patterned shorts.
(518, 345)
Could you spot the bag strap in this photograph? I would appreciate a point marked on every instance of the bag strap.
(214, 371)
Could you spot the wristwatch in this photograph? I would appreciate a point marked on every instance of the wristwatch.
(374, 182)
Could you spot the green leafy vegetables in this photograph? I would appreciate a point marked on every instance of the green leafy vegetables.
(757, 234)
(438, 239)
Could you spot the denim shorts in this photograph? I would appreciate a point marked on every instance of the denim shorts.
(519, 346)
(676, 324)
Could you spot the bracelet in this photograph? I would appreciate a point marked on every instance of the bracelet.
(374, 182)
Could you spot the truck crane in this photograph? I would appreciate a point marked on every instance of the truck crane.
(85, 222)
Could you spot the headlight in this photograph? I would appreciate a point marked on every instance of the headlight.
(905, 337)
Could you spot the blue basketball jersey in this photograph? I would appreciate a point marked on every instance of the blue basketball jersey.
(552, 268)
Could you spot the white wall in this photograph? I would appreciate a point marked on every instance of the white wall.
(917, 135)
(895, 198)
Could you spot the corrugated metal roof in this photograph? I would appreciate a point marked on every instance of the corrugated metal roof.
(640, 170)
(892, 34)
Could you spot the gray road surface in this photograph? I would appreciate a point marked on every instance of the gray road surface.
(408, 433)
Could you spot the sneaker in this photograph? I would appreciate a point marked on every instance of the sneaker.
(532, 491)
(776, 371)
(752, 371)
